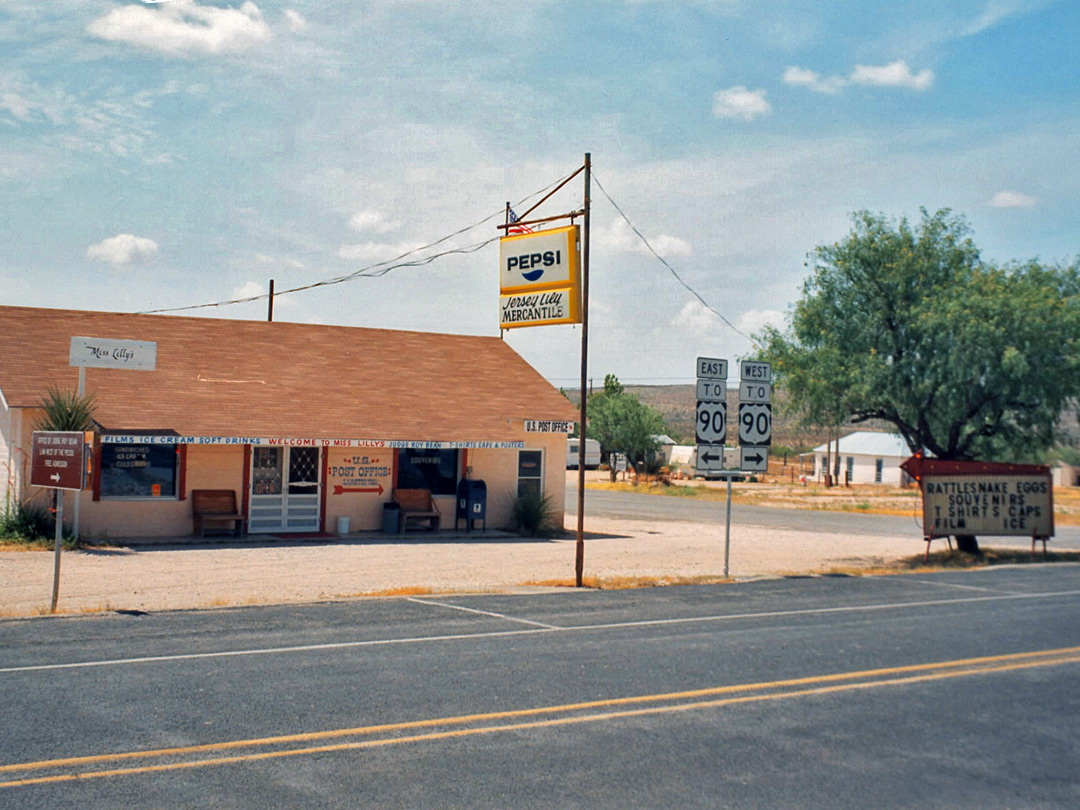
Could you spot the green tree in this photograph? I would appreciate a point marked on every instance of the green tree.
(907, 324)
(622, 423)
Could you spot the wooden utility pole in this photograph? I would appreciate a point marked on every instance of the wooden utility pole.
(579, 563)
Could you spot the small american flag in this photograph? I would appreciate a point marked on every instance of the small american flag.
(516, 228)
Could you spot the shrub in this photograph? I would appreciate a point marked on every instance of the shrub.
(27, 523)
(531, 514)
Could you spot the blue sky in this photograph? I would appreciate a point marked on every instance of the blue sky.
(157, 155)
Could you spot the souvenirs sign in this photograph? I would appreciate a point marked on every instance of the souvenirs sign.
(984, 498)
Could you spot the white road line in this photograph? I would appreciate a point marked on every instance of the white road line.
(483, 613)
(816, 611)
(344, 645)
(962, 587)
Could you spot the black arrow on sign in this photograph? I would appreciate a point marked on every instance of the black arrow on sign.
(757, 458)
(709, 456)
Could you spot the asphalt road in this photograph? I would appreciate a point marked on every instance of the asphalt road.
(634, 506)
(949, 690)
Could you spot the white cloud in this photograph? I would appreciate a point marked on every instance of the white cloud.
(740, 103)
(184, 27)
(894, 74)
(696, 319)
(295, 20)
(123, 250)
(753, 321)
(376, 251)
(252, 289)
(371, 221)
(619, 237)
(1012, 199)
(801, 77)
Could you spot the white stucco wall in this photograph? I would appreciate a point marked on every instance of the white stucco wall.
(863, 468)
(8, 468)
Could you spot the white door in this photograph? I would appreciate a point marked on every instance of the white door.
(285, 490)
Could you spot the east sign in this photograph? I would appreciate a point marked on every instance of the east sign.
(539, 278)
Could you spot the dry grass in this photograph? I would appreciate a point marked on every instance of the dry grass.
(869, 499)
(945, 560)
(414, 590)
(627, 583)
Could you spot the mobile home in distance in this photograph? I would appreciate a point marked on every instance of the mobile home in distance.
(592, 454)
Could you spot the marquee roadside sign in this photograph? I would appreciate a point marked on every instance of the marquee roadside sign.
(984, 498)
(540, 278)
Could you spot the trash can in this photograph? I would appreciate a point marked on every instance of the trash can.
(343, 525)
(471, 503)
(391, 518)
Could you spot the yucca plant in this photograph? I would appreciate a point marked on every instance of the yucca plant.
(531, 514)
(66, 410)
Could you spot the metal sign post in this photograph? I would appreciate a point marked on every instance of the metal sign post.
(710, 427)
(134, 355)
(57, 462)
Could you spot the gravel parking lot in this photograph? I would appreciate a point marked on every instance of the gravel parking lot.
(177, 577)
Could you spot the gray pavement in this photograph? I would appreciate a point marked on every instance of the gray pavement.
(945, 690)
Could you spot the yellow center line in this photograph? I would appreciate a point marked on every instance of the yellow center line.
(837, 682)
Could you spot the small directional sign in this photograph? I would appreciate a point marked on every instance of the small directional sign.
(712, 390)
(755, 423)
(711, 368)
(755, 371)
(56, 459)
(711, 423)
(754, 392)
(710, 459)
(754, 459)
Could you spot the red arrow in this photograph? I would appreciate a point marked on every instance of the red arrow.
(339, 490)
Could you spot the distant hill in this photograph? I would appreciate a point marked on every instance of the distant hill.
(678, 405)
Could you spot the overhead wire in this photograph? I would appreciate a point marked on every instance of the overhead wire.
(376, 270)
(379, 269)
(666, 264)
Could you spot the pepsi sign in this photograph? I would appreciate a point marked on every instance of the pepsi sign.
(544, 260)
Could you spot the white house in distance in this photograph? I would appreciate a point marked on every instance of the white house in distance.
(866, 457)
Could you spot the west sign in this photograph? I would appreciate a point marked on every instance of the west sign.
(539, 278)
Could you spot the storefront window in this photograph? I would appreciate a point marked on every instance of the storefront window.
(531, 472)
(435, 470)
(139, 470)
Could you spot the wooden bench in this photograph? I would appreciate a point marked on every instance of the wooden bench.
(216, 506)
(417, 506)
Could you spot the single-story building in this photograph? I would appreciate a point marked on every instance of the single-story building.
(1065, 475)
(305, 423)
(865, 457)
(664, 445)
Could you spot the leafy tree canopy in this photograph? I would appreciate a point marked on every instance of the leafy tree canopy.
(907, 324)
(621, 422)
